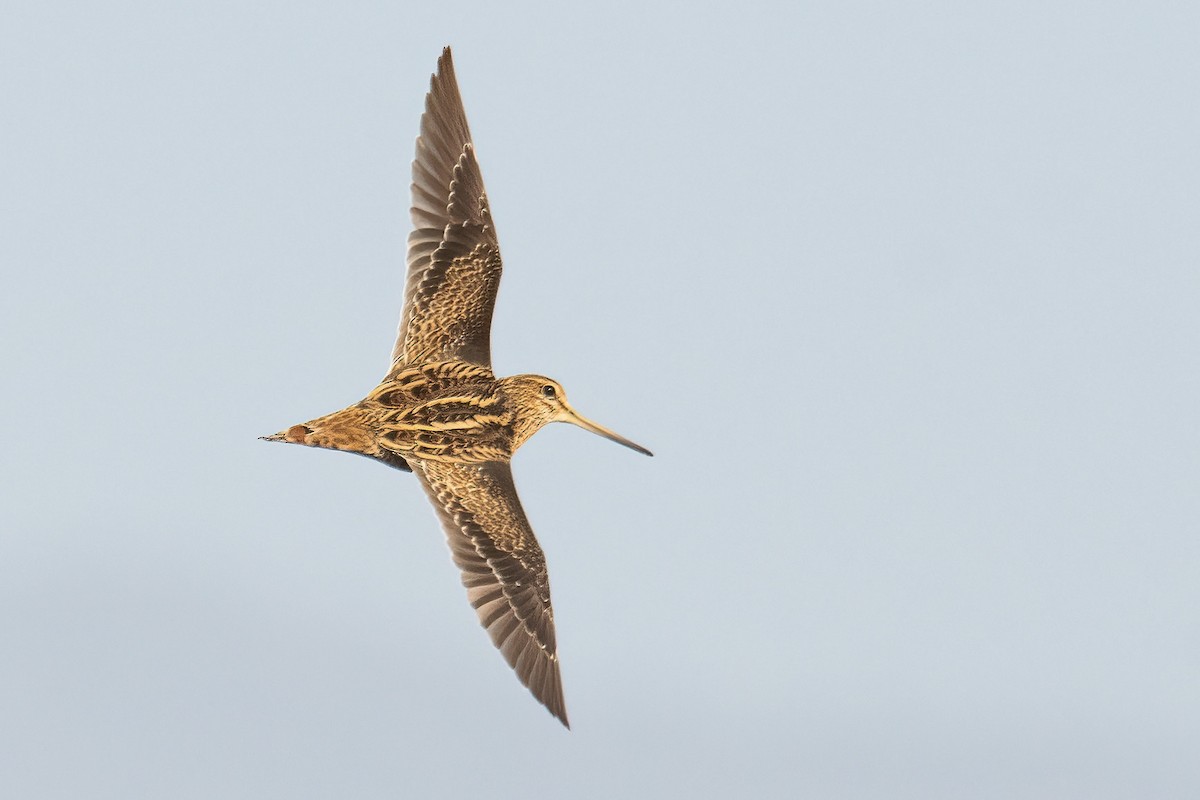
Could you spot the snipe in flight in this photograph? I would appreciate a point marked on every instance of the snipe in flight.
(441, 414)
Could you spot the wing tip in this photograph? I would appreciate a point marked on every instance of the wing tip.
(445, 64)
(554, 702)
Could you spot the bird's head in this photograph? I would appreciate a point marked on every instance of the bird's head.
(541, 400)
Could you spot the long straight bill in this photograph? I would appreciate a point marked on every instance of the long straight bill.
(588, 425)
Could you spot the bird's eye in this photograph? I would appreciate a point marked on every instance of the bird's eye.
(548, 390)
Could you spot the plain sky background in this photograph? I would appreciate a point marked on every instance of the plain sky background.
(903, 296)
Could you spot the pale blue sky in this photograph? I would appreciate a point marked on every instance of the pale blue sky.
(903, 296)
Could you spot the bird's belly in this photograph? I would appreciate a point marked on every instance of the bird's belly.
(455, 441)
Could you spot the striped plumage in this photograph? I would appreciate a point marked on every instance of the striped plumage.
(443, 415)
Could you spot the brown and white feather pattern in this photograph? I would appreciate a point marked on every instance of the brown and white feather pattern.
(453, 256)
(443, 411)
(502, 566)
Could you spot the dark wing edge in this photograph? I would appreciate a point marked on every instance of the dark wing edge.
(453, 257)
(503, 568)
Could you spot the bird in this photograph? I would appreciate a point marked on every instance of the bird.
(440, 412)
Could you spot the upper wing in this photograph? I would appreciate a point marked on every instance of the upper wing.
(502, 567)
(453, 257)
